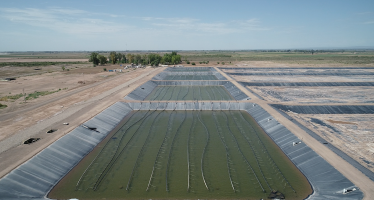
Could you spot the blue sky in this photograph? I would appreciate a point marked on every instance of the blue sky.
(46, 25)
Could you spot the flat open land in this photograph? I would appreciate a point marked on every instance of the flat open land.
(352, 133)
(301, 78)
(185, 155)
(178, 93)
(322, 95)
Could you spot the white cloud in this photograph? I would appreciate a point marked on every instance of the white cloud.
(71, 21)
(199, 27)
(365, 13)
(81, 22)
(369, 22)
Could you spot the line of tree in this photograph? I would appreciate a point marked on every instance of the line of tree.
(143, 59)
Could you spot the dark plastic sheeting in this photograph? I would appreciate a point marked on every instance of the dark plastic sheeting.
(307, 84)
(144, 90)
(292, 68)
(302, 73)
(326, 109)
(164, 74)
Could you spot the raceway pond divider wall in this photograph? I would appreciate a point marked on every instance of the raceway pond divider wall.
(36, 177)
(186, 71)
(140, 93)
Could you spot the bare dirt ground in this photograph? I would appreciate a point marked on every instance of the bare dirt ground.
(74, 106)
(66, 81)
(316, 95)
(284, 64)
(353, 174)
(70, 68)
(351, 133)
(363, 78)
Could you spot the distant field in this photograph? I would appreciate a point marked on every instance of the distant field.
(46, 55)
(190, 77)
(189, 93)
(184, 155)
(304, 57)
(350, 57)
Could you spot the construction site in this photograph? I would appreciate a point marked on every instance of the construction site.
(238, 132)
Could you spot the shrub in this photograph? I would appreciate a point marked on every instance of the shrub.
(63, 68)
(11, 97)
(104, 69)
(207, 62)
(193, 63)
(188, 62)
(223, 63)
(2, 106)
(201, 63)
(217, 62)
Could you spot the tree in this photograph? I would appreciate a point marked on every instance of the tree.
(93, 58)
(172, 58)
(176, 59)
(166, 59)
(130, 58)
(138, 59)
(113, 57)
(123, 58)
(103, 60)
(119, 57)
(145, 60)
(154, 59)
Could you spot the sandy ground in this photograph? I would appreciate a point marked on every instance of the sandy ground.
(351, 133)
(67, 82)
(362, 78)
(316, 95)
(79, 105)
(353, 174)
(284, 64)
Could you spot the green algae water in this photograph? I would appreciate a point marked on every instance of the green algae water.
(184, 155)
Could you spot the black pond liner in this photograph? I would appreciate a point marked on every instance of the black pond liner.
(302, 74)
(51, 130)
(308, 84)
(31, 140)
(292, 68)
(141, 92)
